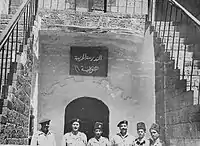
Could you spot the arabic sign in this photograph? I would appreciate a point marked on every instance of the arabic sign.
(89, 61)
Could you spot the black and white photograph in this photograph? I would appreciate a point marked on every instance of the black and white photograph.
(100, 72)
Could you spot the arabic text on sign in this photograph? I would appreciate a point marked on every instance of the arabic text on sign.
(90, 69)
(86, 57)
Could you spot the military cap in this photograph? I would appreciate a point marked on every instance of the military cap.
(98, 125)
(44, 121)
(75, 120)
(122, 122)
(155, 127)
(141, 125)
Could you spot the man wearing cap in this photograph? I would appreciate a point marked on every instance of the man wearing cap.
(43, 137)
(141, 140)
(155, 134)
(75, 137)
(123, 138)
(98, 140)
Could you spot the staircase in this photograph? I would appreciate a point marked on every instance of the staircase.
(177, 73)
(16, 59)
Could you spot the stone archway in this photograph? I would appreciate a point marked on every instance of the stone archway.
(89, 110)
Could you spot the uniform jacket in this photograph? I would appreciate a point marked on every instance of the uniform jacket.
(158, 142)
(41, 139)
(142, 142)
(69, 139)
(119, 140)
(103, 141)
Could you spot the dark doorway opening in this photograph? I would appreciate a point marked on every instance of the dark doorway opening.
(89, 110)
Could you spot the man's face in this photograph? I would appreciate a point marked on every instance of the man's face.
(123, 128)
(141, 133)
(45, 127)
(98, 132)
(75, 126)
(154, 134)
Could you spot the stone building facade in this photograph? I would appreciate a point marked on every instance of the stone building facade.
(126, 93)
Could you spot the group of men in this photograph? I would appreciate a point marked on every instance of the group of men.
(76, 138)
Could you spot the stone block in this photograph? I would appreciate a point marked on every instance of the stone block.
(181, 84)
(18, 105)
(170, 64)
(186, 99)
(159, 83)
(5, 103)
(3, 119)
(170, 72)
(4, 111)
(170, 82)
(17, 141)
(3, 137)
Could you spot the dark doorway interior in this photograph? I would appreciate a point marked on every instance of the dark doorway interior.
(89, 110)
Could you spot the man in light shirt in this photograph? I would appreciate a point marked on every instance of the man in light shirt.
(75, 137)
(123, 138)
(155, 134)
(43, 137)
(141, 140)
(98, 139)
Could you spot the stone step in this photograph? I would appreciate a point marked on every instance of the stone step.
(13, 9)
(181, 85)
(6, 21)
(18, 39)
(6, 16)
(3, 27)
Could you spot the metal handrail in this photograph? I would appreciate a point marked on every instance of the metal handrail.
(186, 12)
(11, 25)
(12, 42)
(176, 29)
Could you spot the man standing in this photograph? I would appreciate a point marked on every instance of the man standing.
(75, 137)
(155, 134)
(98, 140)
(141, 140)
(123, 138)
(43, 137)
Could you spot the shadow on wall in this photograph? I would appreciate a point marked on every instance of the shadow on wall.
(88, 110)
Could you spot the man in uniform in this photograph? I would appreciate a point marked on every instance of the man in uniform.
(98, 140)
(75, 137)
(123, 138)
(43, 137)
(155, 134)
(141, 140)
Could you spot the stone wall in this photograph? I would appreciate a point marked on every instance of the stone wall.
(175, 111)
(107, 21)
(15, 108)
(130, 71)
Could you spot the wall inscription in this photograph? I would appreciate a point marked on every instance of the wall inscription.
(89, 61)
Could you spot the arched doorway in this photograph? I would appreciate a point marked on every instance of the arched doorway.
(89, 110)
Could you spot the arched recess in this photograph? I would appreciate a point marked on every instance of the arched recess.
(89, 110)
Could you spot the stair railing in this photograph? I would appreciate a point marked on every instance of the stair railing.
(12, 41)
(179, 31)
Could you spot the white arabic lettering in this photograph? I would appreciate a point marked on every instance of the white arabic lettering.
(89, 69)
(86, 57)
(77, 69)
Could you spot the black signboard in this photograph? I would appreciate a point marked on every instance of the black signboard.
(89, 61)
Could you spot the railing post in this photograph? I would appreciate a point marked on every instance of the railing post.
(169, 26)
(174, 33)
(161, 15)
(185, 49)
(105, 6)
(177, 59)
(166, 11)
(191, 73)
(2, 66)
